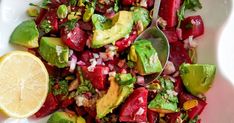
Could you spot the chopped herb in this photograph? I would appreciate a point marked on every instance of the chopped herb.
(43, 5)
(194, 120)
(116, 6)
(192, 5)
(100, 22)
(62, 88)
(131, 64)
(45, 26)
(84, 87)
(71, 24)
(72, 2)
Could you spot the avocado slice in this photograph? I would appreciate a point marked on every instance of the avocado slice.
(125, 78)
(122, 25)
(113, 98)
(144, 54)
(80, 120)
(62, 117)
(197, 78)
(54, 51)
(26, 34)
(141, 14)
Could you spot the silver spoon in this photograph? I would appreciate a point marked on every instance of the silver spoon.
(158, 40)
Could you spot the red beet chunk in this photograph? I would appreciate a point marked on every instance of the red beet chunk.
(75, 39)
(86, 56)
(49, 106)
(152, 116)
(150, 3)
(183, 97)
(171, 35)
(41, 16)
(197, 110)
(192, 26)
(168, 10)
(52, 17)
(178, 85)
(67, 102)
(128, 2)
(97, 77)
(172, 117)
(135, 107)
(124, 43)
(178, 54)
(87, 26)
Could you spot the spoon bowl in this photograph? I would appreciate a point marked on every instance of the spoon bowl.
(158, 40)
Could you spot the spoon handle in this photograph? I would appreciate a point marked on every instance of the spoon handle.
(155, 12)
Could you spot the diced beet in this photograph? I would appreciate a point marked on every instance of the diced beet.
(97, 77)
(171, 35)
(91, 111)
(75, 39)
(183, 97)
(192, 113)
(124, 43)
(86, 56)
(128, 2)
(80, 111)
(150, 3)
(49, 106)
(168, 10)
(178, 54)
(152, 116)
(67, 102)
(41, 16)
(88, 26)
(172, 117)
(192, 26)
(52, 17)
(102, 8)
(135, 107)
(178, 85)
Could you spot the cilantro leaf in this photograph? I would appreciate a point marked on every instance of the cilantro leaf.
(192, 5)
(116, 6)
(45, 26)
(73, 2)
(84, 87)
(43, 4)
(71, 24)
(62, 89)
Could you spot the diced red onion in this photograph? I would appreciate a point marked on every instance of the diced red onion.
(140, 80)
(169, 68)
(111, 66)
(73, 63)
(80, 63)
(179, 33)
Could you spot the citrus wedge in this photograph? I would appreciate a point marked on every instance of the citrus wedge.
(23, 84)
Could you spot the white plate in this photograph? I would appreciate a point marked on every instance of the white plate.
(216, 47)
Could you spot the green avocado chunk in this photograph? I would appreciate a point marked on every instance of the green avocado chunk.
(166, 100)
(115, 95)
(62, 117)
(26, 34)
(141, 14)
(144, 54)
(122, 25)
(125, 78)
(197, 78)
(54, 51)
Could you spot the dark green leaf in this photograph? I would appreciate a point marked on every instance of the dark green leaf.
(193, 120)
(72, 2)
(85, 86)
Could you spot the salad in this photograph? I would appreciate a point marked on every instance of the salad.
(96, 69)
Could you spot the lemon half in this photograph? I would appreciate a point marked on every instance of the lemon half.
(23, 84)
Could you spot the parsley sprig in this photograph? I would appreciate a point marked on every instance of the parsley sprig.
(192, 5)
